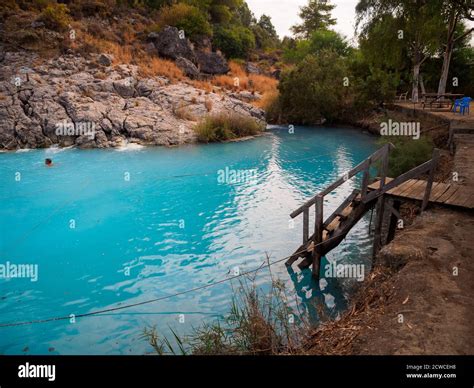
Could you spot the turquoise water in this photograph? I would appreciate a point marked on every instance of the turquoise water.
(101, 240)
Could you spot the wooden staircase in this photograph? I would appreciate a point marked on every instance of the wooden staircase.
(329, 233)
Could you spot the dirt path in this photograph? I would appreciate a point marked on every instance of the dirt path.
(433, 291)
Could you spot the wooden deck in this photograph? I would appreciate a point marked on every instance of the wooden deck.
(441, 193)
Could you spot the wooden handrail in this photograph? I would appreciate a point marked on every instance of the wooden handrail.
(429, 165)
(362, 166)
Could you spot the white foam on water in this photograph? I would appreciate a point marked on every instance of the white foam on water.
(21, 150)
(130, 147)
(55, 149)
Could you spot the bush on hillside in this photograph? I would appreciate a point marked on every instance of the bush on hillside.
(185, 17)
(319, 40)
(56, 17)
(221, 127)
(408, 152)
(315, 89)
(235, 41)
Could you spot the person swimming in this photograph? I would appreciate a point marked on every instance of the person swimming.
(48, 162)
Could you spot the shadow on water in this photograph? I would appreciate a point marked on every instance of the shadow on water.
(317, 300)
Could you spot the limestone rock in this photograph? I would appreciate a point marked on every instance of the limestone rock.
(170, 44)
(211, 63)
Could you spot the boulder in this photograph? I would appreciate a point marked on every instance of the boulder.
(125, 87)
(105, 59)
(211, 63)
(37, 24)
(188, 68)
(252, 68)
(169, 44)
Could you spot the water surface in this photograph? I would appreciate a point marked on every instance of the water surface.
(114, 227)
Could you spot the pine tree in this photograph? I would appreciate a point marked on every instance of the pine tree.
(316, 16)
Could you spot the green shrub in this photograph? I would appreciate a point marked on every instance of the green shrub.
(314, 89)
(318, 41)
(408, 153)
(223, 127)
(56, 17)
(235, 41)
(185, 17)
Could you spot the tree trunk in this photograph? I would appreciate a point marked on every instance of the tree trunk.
(416, 80)
(447, 53)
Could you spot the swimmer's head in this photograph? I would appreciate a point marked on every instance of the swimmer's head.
(48, 162)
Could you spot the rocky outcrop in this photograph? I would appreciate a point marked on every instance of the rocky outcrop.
(71, 100)
(211, 62)
(189, 69)
(252, 68)
(105, 59)
(170, 44)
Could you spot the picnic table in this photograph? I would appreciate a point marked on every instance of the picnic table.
(439, 100)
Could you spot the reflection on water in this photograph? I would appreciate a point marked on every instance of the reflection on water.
(170, 227)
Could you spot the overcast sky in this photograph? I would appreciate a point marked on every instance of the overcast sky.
(284, 14)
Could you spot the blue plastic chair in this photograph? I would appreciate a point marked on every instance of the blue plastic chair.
(457, 103)
(464, 107)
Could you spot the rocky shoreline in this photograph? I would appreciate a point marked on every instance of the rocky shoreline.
(86, 102)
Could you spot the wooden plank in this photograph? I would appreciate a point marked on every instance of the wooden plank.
(438, 189)
(443, 198)
(403, 188)
(469, 203)
(413, 173)
(341, 207)
(417, 190)
(376, 184)
(458, 198)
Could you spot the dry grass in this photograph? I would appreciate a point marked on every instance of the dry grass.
(208, 104)
(337, 337)
(182, 112)
(203, 85)
(154, 66)
(268, 99)
(149, 66)
(238, 79)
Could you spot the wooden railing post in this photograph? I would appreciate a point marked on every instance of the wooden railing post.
(305, 225)
(318, 235)
(384, 171)
(380, 209)
(429, 184)
(365, 182)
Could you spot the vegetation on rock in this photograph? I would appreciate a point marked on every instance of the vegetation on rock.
(226, 126)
